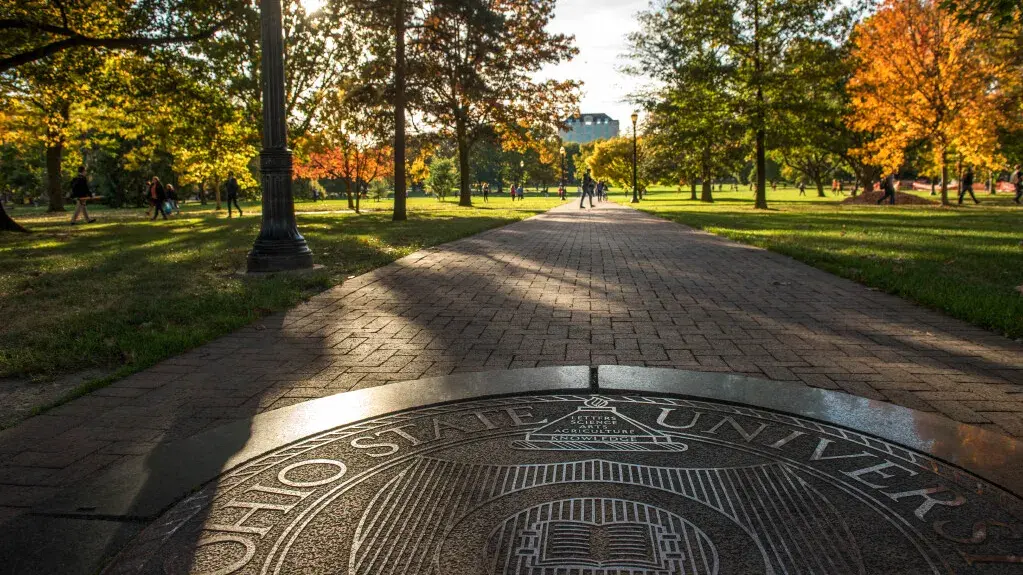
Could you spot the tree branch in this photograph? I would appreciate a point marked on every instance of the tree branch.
(76, 40)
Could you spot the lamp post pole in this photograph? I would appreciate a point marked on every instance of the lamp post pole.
(562, 167)
(635, 192)
(279, 246)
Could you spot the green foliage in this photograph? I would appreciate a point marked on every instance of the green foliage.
(39, 31)
(729, 66)
(379, 190)
(611, 161)
(443, 177)
(477, 61)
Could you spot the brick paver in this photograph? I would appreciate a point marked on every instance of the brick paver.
(570, 287)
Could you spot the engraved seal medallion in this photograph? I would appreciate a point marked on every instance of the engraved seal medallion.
(588, 485)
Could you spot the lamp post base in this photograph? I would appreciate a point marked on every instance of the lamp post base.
(279, 255)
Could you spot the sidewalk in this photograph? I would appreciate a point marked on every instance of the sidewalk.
(571, 287)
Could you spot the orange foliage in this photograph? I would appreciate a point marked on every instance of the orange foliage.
(923, 75)
(347, 161)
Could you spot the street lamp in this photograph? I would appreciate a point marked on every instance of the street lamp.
(562, 167)
(635, 193)
(279, 246)
(522, 174)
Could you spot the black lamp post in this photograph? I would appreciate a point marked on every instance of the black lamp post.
(522, 175)
(562, 167)
(279, 246)
(635, 192)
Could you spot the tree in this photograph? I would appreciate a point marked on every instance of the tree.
(738, 49)
(808, 162)
(475, 63)
(443, 176)
(612, 161)
(542, 163)
(571, 153)
(924, 75)
(349, 143)
(812, 134)
(486, 159)
(46, 93)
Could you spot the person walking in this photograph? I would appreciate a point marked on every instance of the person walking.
(586, 189)
(80, 192)
(1017, 181)
(966, 186)
(486, 192)
(172, 199)
(802, 188)
(231, 187)
(157, 196)
(888, 185)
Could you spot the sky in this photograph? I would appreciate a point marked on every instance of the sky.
(600, 28)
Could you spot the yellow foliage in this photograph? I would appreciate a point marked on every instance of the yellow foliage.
(925, 76)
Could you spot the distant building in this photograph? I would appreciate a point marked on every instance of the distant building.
(585, 128)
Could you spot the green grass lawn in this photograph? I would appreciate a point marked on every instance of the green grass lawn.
(966, 261)
(123, 293)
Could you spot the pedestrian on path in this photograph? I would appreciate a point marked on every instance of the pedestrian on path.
(172, 199)
(80, 192)
(586, 189)
(888, 185)
(157, 197)
(231, 187)
(486, 192)
(802, 188)
(966, 186)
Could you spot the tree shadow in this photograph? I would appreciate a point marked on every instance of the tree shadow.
(623, 288)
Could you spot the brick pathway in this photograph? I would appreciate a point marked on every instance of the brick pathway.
(570, 287)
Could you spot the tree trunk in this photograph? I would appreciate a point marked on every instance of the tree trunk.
(933, 192)
(348, 192)
(54, 154)
(820, 188)
(358, 196)
(761, 200)
(7, 224)
(991, 182)
(707, 193)
(202, 193)
(944, 180)
(465, 192)
(216, 193)
(692, 190)
(399, 113)
(867, 181)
